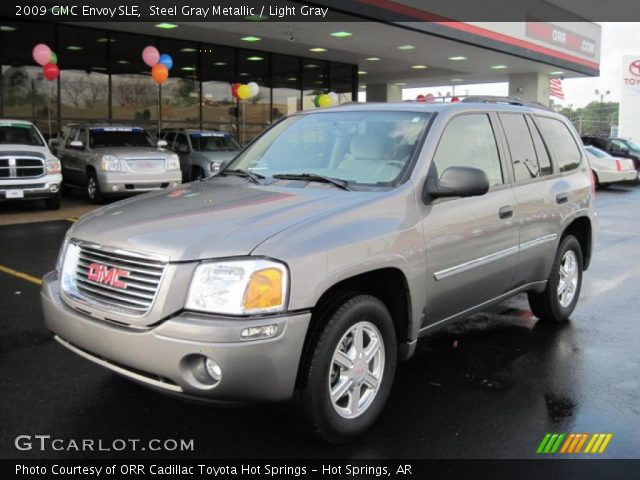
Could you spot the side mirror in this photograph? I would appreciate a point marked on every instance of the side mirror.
(182, 149)
(457, 182)
(162, 143)
(76, 144)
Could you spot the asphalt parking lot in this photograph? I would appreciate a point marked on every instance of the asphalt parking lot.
(489, 387)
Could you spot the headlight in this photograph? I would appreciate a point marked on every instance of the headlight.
(53, 165)
(69, 265)
(174, 162)
(110, 162)
(239, 287)
(63, 249)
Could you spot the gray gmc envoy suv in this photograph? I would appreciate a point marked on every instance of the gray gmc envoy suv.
(313, 263)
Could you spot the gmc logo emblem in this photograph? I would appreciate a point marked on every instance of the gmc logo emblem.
(107, 276)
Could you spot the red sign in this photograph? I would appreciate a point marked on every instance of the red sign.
(107, 276)
(560, 37)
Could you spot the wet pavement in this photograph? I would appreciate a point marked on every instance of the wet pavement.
(488, 387)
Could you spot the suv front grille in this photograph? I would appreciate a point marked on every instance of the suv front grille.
(120, 282)
(146, 165)
(21, 167)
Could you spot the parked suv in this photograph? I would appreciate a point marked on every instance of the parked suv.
(318, 257)
(115, 160)
(202, 152)
(28, 169)
(617, 147)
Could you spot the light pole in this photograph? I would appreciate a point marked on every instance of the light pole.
(601, 112)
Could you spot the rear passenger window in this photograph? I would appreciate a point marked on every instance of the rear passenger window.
(541, 150)
(561, 142)
(523, 153)
(469, 141)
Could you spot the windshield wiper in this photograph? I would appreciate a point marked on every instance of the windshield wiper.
(254, 177)
(314, 177)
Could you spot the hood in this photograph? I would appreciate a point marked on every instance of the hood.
(219, 217)
(132, 152)
(17, 150)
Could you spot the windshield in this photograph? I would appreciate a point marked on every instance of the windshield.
(631, 145)
(366, 147)
(213, 142)
(19, 134)
(596, 152)
(119, 137)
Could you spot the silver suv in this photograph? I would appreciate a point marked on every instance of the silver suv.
(202, 152)
(311, 265)
(115, 160)
(28, 169)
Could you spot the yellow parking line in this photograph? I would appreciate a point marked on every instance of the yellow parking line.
(24, 276)
(72, 220)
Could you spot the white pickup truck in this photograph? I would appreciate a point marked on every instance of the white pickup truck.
(28, 169)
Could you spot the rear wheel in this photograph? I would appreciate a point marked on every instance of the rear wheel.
(348, 374)
(559, 298)
(93, 188)
(53, 203)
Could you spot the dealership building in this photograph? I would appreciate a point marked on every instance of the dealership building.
(103, 78)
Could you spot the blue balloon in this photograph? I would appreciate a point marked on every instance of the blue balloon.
(166, 60)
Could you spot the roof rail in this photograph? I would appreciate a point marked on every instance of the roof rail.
(508, 100)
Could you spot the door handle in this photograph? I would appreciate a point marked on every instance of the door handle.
(506, 212)
(562, 198)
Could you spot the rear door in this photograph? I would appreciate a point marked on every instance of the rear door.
(537, 192)
(472, 243)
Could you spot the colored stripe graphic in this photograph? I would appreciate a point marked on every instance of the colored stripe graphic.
(572, 443)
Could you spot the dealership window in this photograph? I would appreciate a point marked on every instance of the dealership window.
(84, 80)
(342, 81)
(254, 113)
(286, 81)
(134, 94)
(26, 94)
(217, 71)
(180, 92)
(315, 81)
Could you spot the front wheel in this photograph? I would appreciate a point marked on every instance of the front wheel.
(349, 371)
(558, 300)
(93, 188)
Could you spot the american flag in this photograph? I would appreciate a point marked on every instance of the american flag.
(555, 88)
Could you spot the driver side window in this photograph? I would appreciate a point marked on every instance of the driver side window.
(469, 141)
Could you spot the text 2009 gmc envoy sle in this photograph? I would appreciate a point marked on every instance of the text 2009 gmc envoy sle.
(319, 256)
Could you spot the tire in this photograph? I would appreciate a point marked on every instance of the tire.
(549, 305)
(196, 174)
(333, 343)
(93, 188)
(53, 203)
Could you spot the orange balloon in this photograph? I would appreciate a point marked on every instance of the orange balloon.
(160, 73)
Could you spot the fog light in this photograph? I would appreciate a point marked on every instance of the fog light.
(115, 188)
(213, 369)
(54, 188)
(264, 331)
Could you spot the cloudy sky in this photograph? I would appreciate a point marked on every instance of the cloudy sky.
(618, 39)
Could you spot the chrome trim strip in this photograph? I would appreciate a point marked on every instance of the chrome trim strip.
(538, 241)
(117, 369)
(477, 262)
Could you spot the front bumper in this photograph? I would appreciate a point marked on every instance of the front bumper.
(32, 188)
(127, 182)
(160, 357)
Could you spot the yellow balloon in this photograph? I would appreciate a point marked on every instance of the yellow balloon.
(324, 100)
(244, 92)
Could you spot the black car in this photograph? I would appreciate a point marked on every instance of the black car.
(617, 147)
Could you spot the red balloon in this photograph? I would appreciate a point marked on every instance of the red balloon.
(421, 98)
(50, 71)
(454, 99)
(234, 89)
(160, 73)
